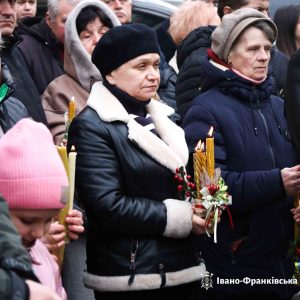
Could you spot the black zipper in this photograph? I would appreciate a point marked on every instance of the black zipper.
(267, 131)
(133, 252)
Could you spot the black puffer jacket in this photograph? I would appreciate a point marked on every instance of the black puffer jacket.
(138, 235)
(190, 57)
(190, 54)
(42, 53)
(11, 109)
(25, 89)
(292, 98)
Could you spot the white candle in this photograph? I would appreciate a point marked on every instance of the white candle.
(72, 165)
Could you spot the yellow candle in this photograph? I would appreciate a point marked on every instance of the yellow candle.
(199, 161)
(70, 164)
(62, 151)
(210, 154)
(71, 110)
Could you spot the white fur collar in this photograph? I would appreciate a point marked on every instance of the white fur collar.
(170, 149)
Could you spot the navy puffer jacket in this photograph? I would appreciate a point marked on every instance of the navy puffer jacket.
(251, 147)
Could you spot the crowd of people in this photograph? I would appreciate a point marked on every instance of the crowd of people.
(144, 97)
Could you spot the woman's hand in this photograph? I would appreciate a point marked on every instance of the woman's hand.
(74, 224)
(291, 180)
(198, 221)
(296, 213)
(198, 224)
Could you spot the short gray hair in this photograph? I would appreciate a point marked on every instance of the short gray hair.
(266, 29)
(52, 7)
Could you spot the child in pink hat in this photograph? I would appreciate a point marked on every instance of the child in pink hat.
(34, 183)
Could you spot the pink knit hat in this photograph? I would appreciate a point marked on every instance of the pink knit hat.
(32, 175)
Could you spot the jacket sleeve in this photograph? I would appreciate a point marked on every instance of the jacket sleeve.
(15, 265)
(55, 104)
(100, 185)
(249, 189)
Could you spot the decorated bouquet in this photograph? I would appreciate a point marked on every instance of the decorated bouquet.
(209, 200)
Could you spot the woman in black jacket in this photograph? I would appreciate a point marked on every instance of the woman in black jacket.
(139, 239)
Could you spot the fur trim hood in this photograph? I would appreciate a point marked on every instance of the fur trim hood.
(170, 150)
(77, 62)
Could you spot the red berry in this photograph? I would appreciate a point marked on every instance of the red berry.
(212, 188)
(189, 177)
(188, 194)
(180, 188)
(176, 177)
(180, 179)
(193, 186)
(177, 170)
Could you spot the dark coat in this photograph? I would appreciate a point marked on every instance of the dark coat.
(190, 55)
(168, 77)
(11, 109)
(25, 89)
(42, 52)
(251, 147)
(292, 98)
(124, 176)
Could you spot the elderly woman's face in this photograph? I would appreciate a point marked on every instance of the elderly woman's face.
(251, 54)
(138, 77)
(92, 33)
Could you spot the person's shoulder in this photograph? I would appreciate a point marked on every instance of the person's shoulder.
(15, 108)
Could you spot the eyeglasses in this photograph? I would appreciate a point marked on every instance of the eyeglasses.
(110, 2)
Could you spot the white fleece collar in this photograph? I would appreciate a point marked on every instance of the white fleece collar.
(170, 149)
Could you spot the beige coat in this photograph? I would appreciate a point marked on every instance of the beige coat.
(80, 74)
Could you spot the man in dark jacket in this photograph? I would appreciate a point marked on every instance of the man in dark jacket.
(43, 43)
(25, 87)
(192, 52)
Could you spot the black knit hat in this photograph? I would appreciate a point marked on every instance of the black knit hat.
(121, 44)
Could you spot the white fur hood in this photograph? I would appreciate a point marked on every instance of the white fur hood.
(170, 149)
(77, 61)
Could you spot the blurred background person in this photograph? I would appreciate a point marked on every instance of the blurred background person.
(122, 9)
(43, 43)
(84, 27)
(26, 8)
(189, 16)
(25, 89)
(287, 20)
